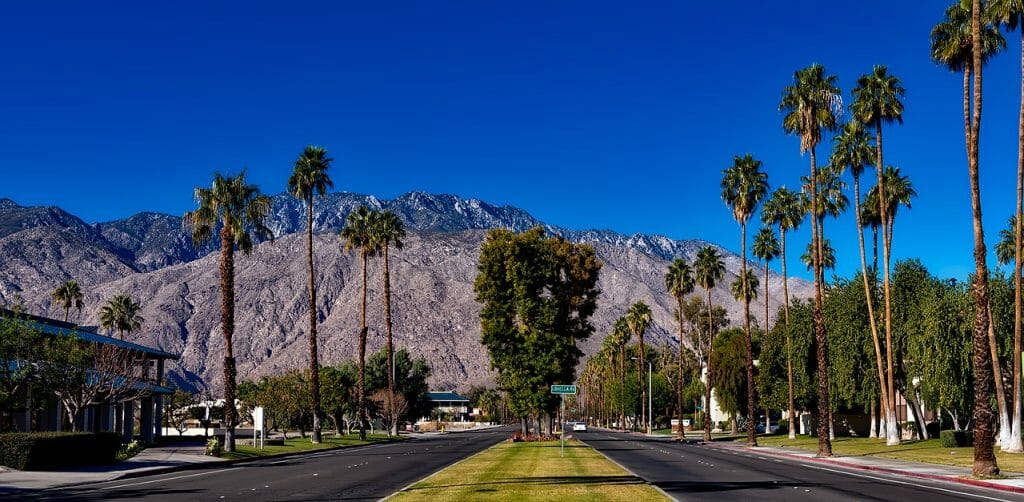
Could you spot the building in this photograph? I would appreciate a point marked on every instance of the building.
(134, 394)
(451, 406)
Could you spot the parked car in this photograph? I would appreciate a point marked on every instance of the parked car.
(579, 427)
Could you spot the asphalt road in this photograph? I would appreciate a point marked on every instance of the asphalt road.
(699, 472)
(363, 473)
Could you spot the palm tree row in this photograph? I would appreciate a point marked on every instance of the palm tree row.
(120, 313)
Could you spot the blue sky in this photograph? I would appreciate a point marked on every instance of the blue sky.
(587, 114)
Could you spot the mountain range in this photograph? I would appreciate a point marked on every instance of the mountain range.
(151, 256)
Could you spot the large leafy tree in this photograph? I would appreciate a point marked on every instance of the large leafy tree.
(744, 186)
(237, 210)
(786, 208)
(679, 283)
(68, 295)
(1010, 14)
(537, 295)
(639, 319)
(708, 270)
(388, 231)
(811, 105)
(121, 313)
(852, 149)
(358, 235)
(964, 43)
(309, 178)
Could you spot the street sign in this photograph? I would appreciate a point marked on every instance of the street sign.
(563, 389)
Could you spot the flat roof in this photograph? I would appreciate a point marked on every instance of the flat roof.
(55, 327)
(446, 396)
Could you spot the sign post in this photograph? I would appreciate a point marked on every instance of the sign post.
(562, 390)
(257, 426)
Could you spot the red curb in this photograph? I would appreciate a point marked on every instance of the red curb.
(933, 477)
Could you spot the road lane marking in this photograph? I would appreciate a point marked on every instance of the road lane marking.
(168, 479)
(918, 485)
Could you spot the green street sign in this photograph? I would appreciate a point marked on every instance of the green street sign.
(563, 389)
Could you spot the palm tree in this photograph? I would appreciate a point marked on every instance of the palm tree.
(238, 210)
(309, 177)
(620, 336)
(827, 253)
(832, 200)
(639, 319)
(679, 283)
(766, 249)
(852, 149)
(744, 185)
(121, 313)
(786, 209)
(708, 269)
(358, 235)
(1005, 248)
(1010, 13)
(737, 288)
(388, 231)
(68, 295)
(811, 105)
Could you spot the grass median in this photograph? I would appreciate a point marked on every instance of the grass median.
(295, 445)
(928, 451)
(533, 471)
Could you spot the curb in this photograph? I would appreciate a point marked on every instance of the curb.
(886, 470)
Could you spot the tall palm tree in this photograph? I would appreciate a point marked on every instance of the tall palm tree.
(621, 335)
(121, 313)
(388, 230)
(832, 201)
(708, 269)
(68, 295)
(745, 294)
(877, 101)
(639, 319)
(744, 185)
(786, 209)
(852, 149)
(1010, 14)
(825, 251)
(811, 105)
(766, 249)
(358, 235)
(679, 283)
(238, 209)
(309, 177)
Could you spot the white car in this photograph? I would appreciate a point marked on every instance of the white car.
(579, 426)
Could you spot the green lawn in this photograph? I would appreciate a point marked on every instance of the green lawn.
(929, 451)
(299, 444)
(533, 471)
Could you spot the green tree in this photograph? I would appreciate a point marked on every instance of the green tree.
(239, 210)
(708, 270)
(339, 397)
(121, 313)
(358, 235)
(744, 186)
(786, 209)
(679, 282)
(68, 295)
(309, 177)
(811, 105)
(639, 319)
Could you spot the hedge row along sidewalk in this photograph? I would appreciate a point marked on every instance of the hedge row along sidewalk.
(532, 471)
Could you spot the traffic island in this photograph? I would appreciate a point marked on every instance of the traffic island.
(532, 471)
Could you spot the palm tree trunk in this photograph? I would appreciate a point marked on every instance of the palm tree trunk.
(984, 457)
(227, 319)
(824, 445)
(789, 341)
(640, 379)
(679, 313)
(361, 394)
(868, 298)
(707, 374)
(1004, 413)
(314, 359)
(67, 308)
(387, 319)
(622, 387)
(873, 427)
(1015, 443)
(751, 410)
(892, 434)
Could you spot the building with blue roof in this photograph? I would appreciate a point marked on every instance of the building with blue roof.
(139, 399)
(453, 406)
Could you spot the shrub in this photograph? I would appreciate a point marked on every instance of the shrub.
(954, 439)
(130, 450)
(933, 429)
(783, 427)
(52, 450)
(518, 437)
(213, 447)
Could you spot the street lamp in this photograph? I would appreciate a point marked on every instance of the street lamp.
(650, 398)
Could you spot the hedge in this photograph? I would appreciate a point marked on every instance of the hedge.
(52, 450)
(953, 439)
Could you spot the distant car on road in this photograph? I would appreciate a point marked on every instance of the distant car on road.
(579, 426)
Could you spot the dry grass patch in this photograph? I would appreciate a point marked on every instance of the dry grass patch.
(533, 471)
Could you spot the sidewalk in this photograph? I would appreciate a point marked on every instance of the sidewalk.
(156, 458)
(1012, 482)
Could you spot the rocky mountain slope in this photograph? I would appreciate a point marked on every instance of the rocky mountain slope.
(150, 256)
